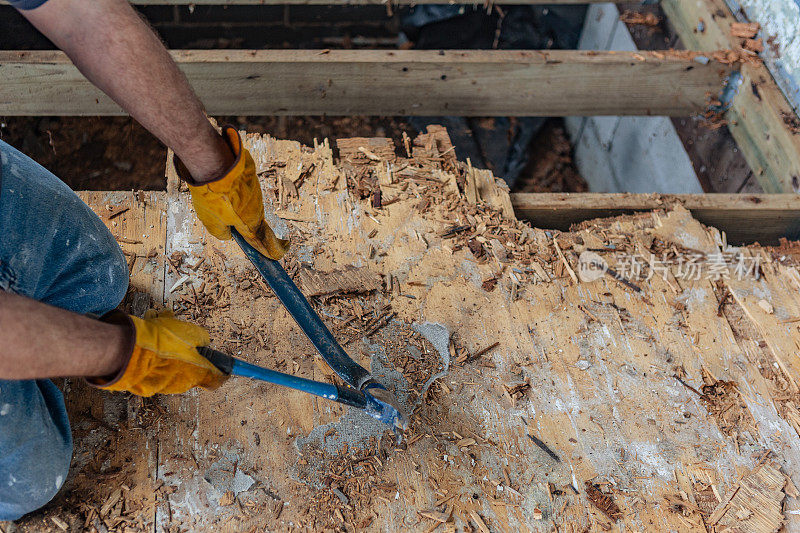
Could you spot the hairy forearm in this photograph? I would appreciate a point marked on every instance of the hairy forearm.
(116, 51)
(41, 341)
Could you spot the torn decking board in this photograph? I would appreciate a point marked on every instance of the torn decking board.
(627, 414)
(587, 369)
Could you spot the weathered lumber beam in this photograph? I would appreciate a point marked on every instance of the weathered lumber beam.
(757, 117)
(745, 218)
(376, 82)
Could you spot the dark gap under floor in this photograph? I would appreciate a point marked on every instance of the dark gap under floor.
(116, 153)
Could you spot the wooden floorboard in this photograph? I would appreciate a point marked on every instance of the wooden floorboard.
(588, 368)
(402, 82)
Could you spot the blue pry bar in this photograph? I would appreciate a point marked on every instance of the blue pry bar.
(309, 321)
(236, 367)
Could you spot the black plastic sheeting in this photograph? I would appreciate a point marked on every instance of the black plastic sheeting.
(501, 143)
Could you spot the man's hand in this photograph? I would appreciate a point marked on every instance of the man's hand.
(234, 200)
(163, 357)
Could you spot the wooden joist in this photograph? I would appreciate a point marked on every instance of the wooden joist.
(757, 118)
(745, 218)
(373, 82)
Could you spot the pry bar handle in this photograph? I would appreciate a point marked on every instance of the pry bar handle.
(309, 321)
(236, 367)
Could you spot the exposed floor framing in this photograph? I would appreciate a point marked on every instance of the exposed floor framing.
(760, 117)
(466, 83)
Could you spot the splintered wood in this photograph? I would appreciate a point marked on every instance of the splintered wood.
(754, 503)
(660, 398)
(346, 281)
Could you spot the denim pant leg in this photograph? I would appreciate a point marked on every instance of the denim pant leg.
(54, 249)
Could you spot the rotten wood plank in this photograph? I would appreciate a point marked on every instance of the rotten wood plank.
(600, 361)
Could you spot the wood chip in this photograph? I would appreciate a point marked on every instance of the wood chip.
(433, 514)
(754, 45)
(746, 30)
(228, 498)
(369, 154)
(643, 19)
(766, 306)
(60, 523)
(481, 352)
(479, 521)
(602, 501)
(353, 280)
(564, 261)
(111, 502)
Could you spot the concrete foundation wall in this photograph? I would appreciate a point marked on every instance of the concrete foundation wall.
(626, 154)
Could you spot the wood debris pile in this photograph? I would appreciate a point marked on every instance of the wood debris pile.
(724, 402)
(747, 32)
(644, 19)
(350, 483)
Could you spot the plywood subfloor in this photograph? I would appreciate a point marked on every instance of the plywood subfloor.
(661, 410)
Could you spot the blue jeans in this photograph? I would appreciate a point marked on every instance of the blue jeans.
(54, 249)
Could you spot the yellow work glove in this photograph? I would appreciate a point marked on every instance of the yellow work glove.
(164, 357)
(235, 200)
